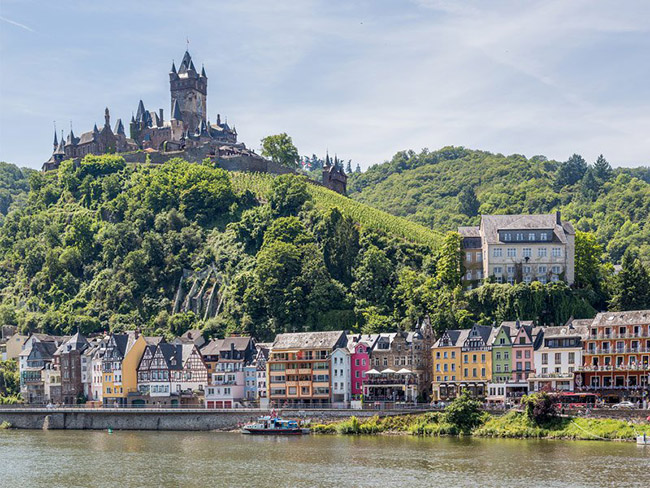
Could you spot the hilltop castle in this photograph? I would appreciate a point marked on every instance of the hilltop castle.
(188, 134)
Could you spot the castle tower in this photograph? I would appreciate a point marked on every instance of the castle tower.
(189, 91)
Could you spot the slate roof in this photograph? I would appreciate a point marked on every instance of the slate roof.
(566, 331)
(309, 340)
(212, 348)
(472, 231)
(240, 343)
(635, 317)
(491, 224)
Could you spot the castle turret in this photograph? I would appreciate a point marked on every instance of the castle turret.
(56, 143)
(189, 90)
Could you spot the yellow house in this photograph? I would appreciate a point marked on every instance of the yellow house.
(120, 367)
(476, 367)
(446, 364)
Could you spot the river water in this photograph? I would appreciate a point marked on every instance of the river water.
(187, 459)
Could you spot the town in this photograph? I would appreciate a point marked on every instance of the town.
(604, 361)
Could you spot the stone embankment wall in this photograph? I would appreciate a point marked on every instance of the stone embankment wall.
(156, 419)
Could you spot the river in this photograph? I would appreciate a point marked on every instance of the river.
(186, 459)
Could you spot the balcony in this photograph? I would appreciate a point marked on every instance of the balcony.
(305, 371)
(617, 335)
(620, 367)
(558, 376)
(618, 350)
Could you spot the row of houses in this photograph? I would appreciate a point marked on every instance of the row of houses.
(609, 355)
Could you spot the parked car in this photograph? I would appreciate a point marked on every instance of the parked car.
(623, 405)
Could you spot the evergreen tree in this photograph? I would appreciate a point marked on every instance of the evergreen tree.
(450, 261)
(602, 169)
(468, 203)
(570, 172)
(589, 186)
(348, 167)
(632, 287)
(357, 169)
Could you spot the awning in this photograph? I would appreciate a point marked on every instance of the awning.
(372, 371)
(404, 371)
(387, 370)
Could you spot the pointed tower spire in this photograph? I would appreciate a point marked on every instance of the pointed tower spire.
(56, 143)
(173, 70)
(139, 115)
(95, 129)
(176, 112)
(203, 72)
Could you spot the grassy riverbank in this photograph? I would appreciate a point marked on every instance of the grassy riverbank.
(511, 425)
(5, 425)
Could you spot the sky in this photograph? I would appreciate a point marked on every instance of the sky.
(362, 79)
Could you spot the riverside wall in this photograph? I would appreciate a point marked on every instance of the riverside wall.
(157, 419)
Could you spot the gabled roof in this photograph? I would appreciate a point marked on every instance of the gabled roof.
(76, 343)
(472, 231)
(212, 348)
(309, 340)
(239, 343)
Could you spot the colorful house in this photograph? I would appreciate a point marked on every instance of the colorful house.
(228, 382)
(446, 364)
(120, 367)
(340, 367)
(299, 367)
(476, 362)
(616, 361)
(360, 347)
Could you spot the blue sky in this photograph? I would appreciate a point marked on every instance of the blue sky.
(362, 78)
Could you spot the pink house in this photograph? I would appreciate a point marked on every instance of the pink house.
(360, 347)
(524, 338)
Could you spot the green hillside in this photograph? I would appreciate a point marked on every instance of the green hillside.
(104, 246)
(437, 189)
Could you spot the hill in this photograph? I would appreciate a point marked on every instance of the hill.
(107, 246)
(452, 186)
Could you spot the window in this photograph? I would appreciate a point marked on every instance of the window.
(511, 252)
(558, 357)
(527, 252)
(498, 355)
(526, 269)
(356, 362)
(520, 236)
(507, 236)
(556, 269)
(510, 270)
(572, 357)
(498, 270)
(541, 252)
(541, 269)
(498, 252)
(498, 368)
(479, 256)
(444, 354)
(465, 371)
(483, 372)
(557, 252)
(453, 354)
(474, 372)
(543, 236)
(468, 257)
(482, 358)
(468, 276)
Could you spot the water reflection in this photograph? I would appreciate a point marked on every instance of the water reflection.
(56, 458)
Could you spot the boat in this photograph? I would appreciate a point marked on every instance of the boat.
(643, 440)
(272, 425)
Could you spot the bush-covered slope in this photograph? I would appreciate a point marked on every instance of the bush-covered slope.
(103, 245)
(452, 186)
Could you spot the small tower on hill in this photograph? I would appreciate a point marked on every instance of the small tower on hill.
(334, 177)
(189, 91)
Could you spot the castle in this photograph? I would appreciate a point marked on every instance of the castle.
(187, 134)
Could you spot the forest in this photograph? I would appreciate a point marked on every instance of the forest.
(453, 186)
(103, 246)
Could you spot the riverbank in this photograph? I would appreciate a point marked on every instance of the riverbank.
(513, 425)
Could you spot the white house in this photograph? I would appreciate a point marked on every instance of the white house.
(340, 368)
(558, 358)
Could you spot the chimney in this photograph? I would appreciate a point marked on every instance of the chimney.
(558, 218)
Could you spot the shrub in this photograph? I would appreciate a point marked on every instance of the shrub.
(464, 413)
(539, 408)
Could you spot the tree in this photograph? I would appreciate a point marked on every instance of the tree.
(589, 185)
(587, 265)
(374, 278)
(468, 203)
(357, 169)
(281, 150)
(632, 285)
(464, 413)
(570, 172)
(450, 261)
(348, 167)
(540, 408)
(340, 240)
(288, 194)
(602, 169)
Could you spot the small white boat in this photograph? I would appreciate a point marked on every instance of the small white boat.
(643, 440)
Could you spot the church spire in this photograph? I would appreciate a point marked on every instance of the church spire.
(56, 143)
